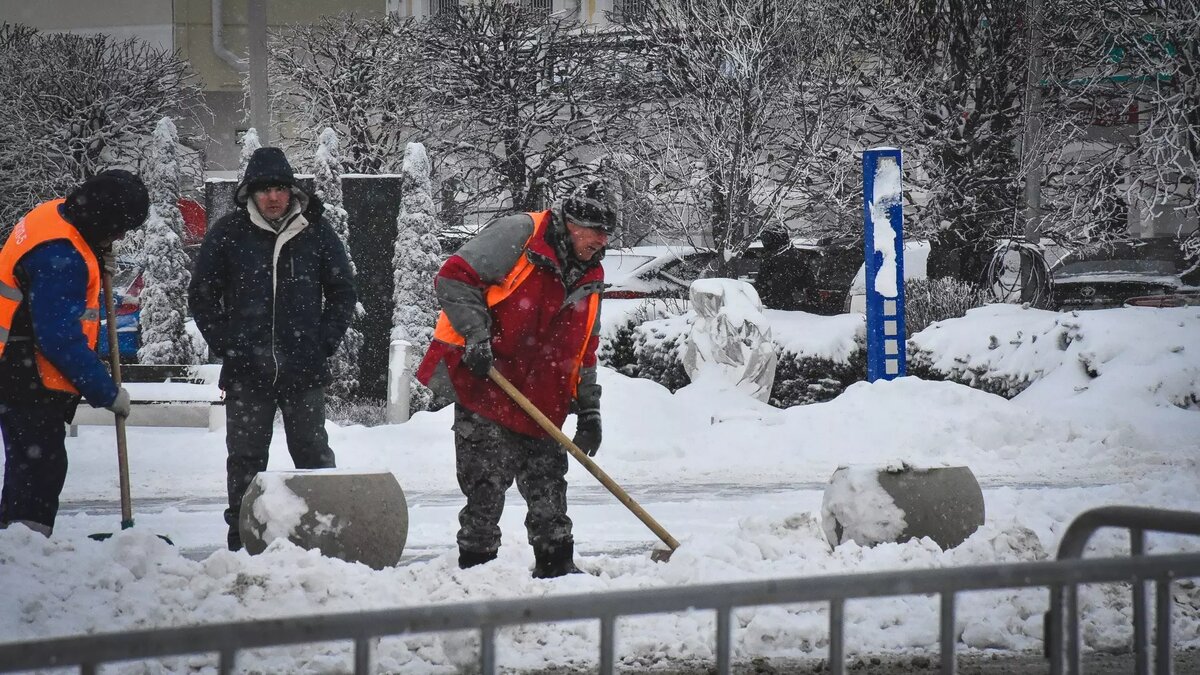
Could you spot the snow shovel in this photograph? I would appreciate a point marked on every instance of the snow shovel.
(114, 360)
(658, 555)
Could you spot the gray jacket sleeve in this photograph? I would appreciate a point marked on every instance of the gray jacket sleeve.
(491, 254)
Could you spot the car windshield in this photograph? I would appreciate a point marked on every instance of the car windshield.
(618, 265)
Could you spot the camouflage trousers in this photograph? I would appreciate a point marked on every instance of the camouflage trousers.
(489, 458)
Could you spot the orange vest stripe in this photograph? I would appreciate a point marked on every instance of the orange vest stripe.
(39, 226)
(593, 306)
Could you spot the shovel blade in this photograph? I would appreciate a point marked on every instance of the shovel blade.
(661, 554)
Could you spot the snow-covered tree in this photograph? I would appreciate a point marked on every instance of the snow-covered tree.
(962, 64)
(517, 100)
(1120, 118)
(164, 296)
(744, 111)
(355, 75)
(343, 366)
(250, 143)
(415, 263)
(74, 105)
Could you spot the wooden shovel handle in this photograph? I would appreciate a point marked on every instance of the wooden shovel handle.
(586, 461)
(114, 359)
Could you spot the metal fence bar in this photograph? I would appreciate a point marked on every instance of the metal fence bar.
(487, 649)
(87, 669)
(1141, 632)
(225, 662)
(1053, 630)
(1138, 520)
(608, 645)
(949, 634)
(1071, 607)
(1166, 660)
(724, 640)
(837, 636)
(230, 637)
(362, 656)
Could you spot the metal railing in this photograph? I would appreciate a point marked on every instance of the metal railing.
(227, 639)
(1062, 621)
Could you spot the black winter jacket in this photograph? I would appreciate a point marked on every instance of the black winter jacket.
(273, 333)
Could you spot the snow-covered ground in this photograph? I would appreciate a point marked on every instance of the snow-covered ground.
(737, 482)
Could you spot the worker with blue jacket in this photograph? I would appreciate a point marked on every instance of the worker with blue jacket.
(50, 281)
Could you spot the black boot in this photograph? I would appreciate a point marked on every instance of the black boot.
(234, 540)
(472, 558)
(554, 560)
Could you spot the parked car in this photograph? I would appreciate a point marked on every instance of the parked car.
(1111, 275)
(809, 275)
(655, 271)
(127, 287)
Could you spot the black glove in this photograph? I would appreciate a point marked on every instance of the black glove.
(477, 357)
(587, 433)
(121, 404)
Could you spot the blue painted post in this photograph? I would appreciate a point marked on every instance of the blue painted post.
(883, 218)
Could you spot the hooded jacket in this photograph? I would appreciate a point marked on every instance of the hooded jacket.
(57, 284)
(273, 303)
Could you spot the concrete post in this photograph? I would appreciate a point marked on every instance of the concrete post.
(399, 381)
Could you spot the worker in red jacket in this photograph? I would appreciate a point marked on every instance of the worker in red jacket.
(523, 296)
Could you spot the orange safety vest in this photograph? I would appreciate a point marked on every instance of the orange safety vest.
(39, 226)
(515, 277)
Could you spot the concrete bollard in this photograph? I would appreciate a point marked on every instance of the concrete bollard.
(872, 504)
(357, 516)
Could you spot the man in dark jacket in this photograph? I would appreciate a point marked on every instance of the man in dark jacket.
(273, 294)
(523, 295)
(50, 281)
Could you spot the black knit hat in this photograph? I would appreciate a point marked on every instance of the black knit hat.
(267, 167)
(107, 205)
(591, 205)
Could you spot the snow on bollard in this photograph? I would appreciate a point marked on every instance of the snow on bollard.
(357, 516)
(897, 502)
(730, 339)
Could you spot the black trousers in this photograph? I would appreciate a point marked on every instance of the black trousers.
(35, 460)
(249, 417)
(488, 459)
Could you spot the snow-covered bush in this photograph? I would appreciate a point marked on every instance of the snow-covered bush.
(416, 260)
(160, 249)
(343, 366)
(927, 301)
(74, 105)
(801, 379)
(250, 143)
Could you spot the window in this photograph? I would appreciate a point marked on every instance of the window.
(629, 10)
(438, 6)
(541, 8)
(689, 268)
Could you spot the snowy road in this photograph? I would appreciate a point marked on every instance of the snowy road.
(602, 526)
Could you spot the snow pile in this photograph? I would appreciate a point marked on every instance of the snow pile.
(277, 510)
(1115, 357)
(862, 509)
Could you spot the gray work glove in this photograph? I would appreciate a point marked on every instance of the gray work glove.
(120, 404)
(108, 260)
(477, 357)
(587, 432)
